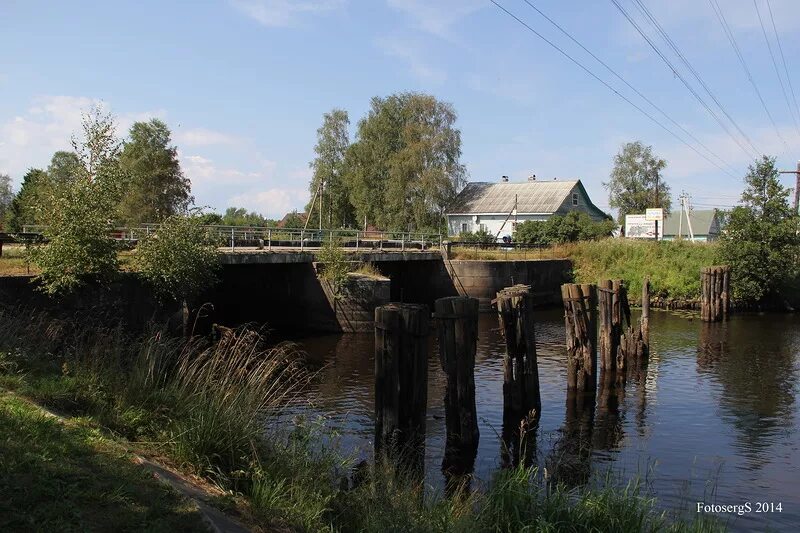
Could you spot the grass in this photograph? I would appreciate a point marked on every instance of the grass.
(70, 477)
(14, 263)
(368, 270)
(207, 408)
(673, 266)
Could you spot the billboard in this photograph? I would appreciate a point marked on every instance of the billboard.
(638, 227)
(652, 214)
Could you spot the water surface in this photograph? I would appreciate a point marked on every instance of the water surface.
(713, 418)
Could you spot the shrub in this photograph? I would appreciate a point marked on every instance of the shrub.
(558, 229)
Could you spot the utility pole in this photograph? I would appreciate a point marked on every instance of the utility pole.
(796, 187)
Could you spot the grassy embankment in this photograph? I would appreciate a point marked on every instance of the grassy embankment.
(204, 407)
(673, 267)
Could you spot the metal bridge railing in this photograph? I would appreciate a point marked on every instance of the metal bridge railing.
(268, 238)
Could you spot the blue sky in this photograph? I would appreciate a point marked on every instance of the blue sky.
(243, 84)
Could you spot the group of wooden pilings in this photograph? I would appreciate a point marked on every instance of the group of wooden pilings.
(401, 380)
(401, 375)
(595, 316)
(715, 301)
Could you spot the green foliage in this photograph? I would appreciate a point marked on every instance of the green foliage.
(210, 219)
(478, 237)
(293, 220)
(404, 167)
(760, 240)
(673, 266)
(559, 229)
(81, 212)
(64, 167)
(24, 207)
(636, 181)
(178, 260)
(335, 265)
(6, 197)
(329, 167)
(157, 187)
(238, 216)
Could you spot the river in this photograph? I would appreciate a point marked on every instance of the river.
(714, 419)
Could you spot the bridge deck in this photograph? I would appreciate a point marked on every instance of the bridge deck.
(254, 256)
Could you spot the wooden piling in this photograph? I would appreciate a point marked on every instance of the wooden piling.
(457, 325)
(714, 293)
(520, 366)
(645, 320)
(580, 319)
(608, 339)
(401, 377)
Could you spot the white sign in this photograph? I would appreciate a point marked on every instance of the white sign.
(638, 227)
(654, 214)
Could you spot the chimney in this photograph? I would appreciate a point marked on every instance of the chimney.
(532, 177)
(504, 179)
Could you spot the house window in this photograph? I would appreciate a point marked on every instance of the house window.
(464, 227)
(574, 198)
(483, 228)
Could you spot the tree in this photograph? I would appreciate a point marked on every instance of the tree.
(760, 241)
(64, 167)
(25, 206)
(329, 167)
(6, 197)
(293, 220)
(157, 188)
(179, 260)
(80, 213)
(239, 216)
(404, 167)
(636, 181)
(558, 229)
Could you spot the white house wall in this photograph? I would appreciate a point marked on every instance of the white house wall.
(491, 223)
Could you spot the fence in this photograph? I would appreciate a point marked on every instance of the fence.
(269, 238)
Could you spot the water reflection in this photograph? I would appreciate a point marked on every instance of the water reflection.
(715, 407)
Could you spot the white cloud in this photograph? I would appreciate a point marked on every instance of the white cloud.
(281, 13)
(272, 203)
(202, 171)
(437, 17)
(29, 139)
(204, 137)
(414, 57)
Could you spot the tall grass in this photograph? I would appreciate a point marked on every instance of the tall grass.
(205, 405)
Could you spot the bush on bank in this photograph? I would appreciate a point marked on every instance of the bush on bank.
(205, 406)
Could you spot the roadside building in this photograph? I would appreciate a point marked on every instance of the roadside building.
(705, 225)
(497, 207)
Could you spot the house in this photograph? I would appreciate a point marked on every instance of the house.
(497, 207)
(705, 225)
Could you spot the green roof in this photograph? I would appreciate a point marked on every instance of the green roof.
(704, 222)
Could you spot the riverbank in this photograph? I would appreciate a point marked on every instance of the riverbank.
(673, 266)
(204, 407)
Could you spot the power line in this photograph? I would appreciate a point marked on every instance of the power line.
(729, 34)
(612, 89)
(623, 80)
(646, 12)
(785, 68)
(680, 77)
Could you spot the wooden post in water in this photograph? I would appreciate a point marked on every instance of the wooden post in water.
(579, 319)
(457, 325)
(714, 293)
(520, 366)
(645, 321)
(401, 379)
(607, 342)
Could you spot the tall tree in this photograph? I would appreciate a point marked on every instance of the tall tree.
(760, 240)
(636, 181)
(404, 167)
(239, 216)
(6, 197)
(80, 212)
(328, 167)
(25, 206)
(157, 188)
(64, 166)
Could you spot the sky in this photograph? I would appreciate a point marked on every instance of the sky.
(243, 85)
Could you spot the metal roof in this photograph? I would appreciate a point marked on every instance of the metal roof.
(533, 197)
(703, 222)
